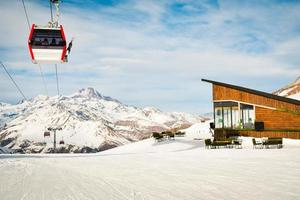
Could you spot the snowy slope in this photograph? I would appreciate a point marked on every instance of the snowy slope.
(4, 150)
(89, 122)
(170, 169)
(292, 90)
(199, 130)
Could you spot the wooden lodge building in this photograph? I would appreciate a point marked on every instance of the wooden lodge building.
(247, 112)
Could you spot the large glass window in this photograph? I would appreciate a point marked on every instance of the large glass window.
(228, 115)
(247, 116)
(223, 114)
(235, 117)
(218, 117)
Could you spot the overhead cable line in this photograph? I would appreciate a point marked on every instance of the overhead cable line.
(26, 14)
(51, 11)
(20, 91)
(41, 70)
(44, 82)
(57, 86)
(14, 82)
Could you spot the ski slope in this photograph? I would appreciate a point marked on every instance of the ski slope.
(176, 169)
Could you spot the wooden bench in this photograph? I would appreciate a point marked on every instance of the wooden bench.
(273, 141)
(227, 143)
(180, 134)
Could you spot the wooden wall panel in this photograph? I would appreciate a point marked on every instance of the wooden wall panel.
(260, 134)
(221, 133)
(274, 119)
(224, 93)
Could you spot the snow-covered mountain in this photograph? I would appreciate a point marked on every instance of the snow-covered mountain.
(90, 122)
(292, 90)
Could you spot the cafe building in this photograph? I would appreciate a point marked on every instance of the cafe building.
(241, 111)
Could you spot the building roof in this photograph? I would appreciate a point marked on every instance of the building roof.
(260, 93)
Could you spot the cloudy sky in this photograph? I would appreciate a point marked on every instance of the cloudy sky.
(154, 53)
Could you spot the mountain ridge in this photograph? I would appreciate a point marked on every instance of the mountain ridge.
(291, 90)
(90, 121)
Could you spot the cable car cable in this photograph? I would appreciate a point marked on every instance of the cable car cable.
(44, 82)
(51, 11)
(57, 86)
(41, 70)
(40, 67)
(26, 14)
(18, 88)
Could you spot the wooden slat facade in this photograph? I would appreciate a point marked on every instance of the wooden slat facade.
(281, 118)
(260, 134)
(223, 133)
(224, 93)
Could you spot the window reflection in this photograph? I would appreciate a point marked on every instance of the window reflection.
(247, 113)
(235, 117)
(218, 117)
(227, 117)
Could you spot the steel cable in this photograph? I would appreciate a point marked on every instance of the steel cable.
(41, 70)
(26, 14)
(18, 88)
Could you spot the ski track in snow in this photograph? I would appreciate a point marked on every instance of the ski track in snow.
(179, 169)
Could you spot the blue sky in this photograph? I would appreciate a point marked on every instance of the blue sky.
(154, 53)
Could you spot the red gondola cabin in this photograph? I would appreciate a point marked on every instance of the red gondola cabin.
(47, 45)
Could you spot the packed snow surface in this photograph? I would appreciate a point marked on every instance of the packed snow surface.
(170, 169)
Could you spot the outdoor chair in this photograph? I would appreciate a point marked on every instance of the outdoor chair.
(157, 136)
(208, 143)
(257, 145)
(237, 144)
(180, 134)
(170, 135)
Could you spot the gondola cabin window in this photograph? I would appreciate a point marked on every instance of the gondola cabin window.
(47, 45)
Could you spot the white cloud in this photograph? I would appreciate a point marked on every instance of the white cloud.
(149, 62)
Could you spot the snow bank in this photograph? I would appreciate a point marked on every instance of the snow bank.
(199, 130)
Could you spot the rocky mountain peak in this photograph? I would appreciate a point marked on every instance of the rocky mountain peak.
(297, 81)
(89, 92)
(93, 93)
(291, 90)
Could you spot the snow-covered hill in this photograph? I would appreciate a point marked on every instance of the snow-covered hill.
(148, 170)
(89, 121)
(292, 90)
